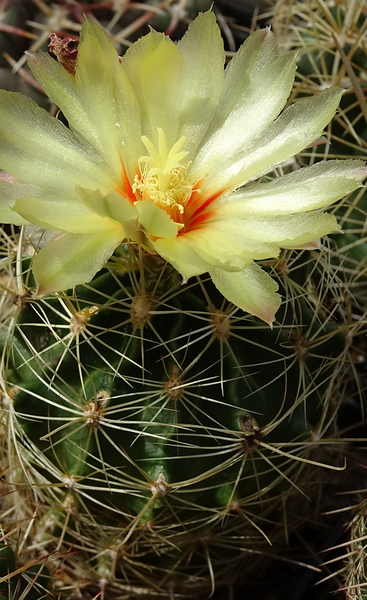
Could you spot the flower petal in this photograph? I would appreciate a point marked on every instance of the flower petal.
(198, 251)
(9, 192)
(295, 129)
(37, 148)
(108, 99)
(60, 86)
(180, 254)
(201, 45)
(305, 189)
(253, 290)
(157, 72)
(70, 259)
(175, 89)
(258, 52)
(112, 205)
(98, 101)
(226, 244)
(240, 119)
(51, 215)
(281, 231)
(155, 220)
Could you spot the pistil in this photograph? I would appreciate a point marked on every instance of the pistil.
(163, 179)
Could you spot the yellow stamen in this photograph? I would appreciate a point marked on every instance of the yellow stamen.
(163, 179)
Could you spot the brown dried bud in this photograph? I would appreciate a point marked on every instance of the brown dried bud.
(65, 55)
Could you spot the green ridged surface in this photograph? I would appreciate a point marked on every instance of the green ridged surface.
(165, 421)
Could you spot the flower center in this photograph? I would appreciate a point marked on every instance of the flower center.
(163, 179)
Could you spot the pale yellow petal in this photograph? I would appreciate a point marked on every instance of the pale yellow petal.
(111, 205)
(254, 56)
(51, 215)
(9, 192)
(201, 46)
(72, 259)
(98, 101)
(252, 289)
(37, 148)
(241, 119)
(176, 90)
(155, 220)
(108, 100)
(180, 254)
(302, 190)
(259, 231)
(228, 245)
(295, 129)
(59, 85)
(157, 72)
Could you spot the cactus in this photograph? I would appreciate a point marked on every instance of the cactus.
(330, 39)
(156, 428)
(355, 568)
(30, 581)
(157, 425)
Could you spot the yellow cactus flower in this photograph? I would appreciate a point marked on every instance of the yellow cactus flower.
(164, 147)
